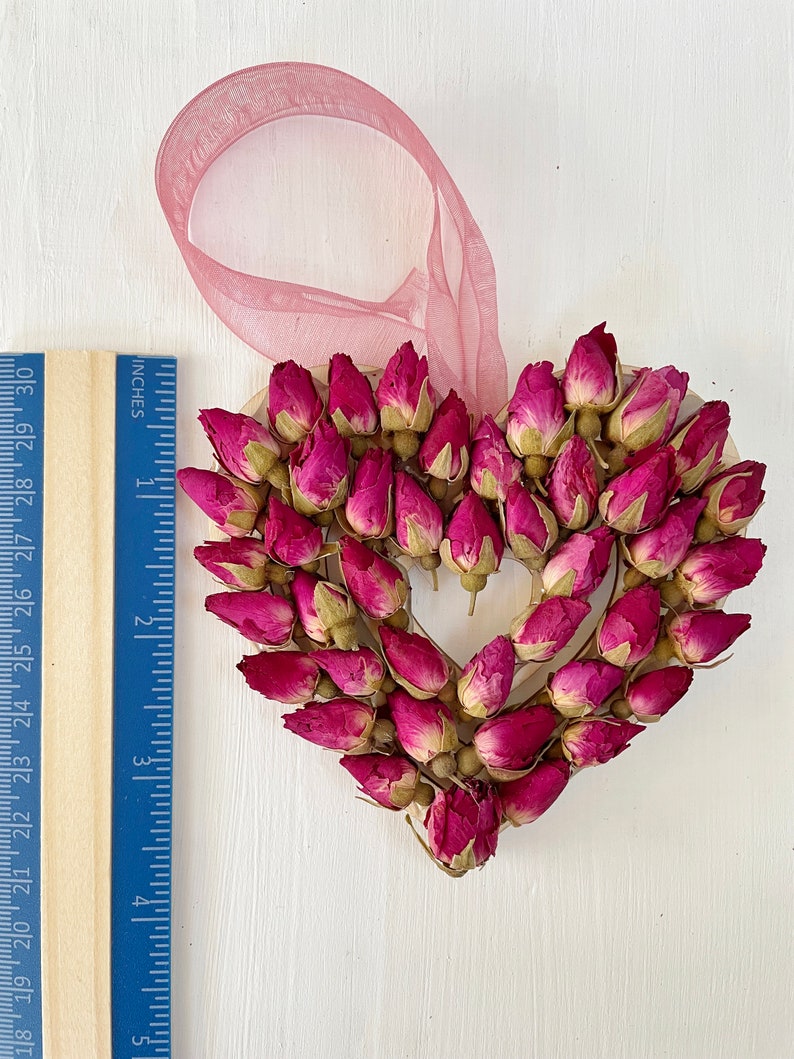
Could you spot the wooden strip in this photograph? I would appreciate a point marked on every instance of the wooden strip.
(77, 714)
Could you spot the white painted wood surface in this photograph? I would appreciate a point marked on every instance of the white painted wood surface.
(627, 161)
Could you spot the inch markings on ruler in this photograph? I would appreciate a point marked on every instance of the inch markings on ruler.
(143, 707)
(21, 539)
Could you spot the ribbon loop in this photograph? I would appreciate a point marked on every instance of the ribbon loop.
(449, 311)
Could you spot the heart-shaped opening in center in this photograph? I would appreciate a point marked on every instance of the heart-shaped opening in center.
(443, 615)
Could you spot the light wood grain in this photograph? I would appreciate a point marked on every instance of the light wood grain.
(77, 691)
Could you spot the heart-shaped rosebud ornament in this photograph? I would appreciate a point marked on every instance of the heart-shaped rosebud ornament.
(609, 485)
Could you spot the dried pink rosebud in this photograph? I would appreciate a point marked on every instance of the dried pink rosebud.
(658, 551)
(528, 797)
(231, 503)
(239, 562)
(594, 741)
(425, 728)
(711, 571)
(472, 542)
(544, 628)
(414, 662)
(318, 470)
(508, 745)
(357, 673)
(578, 567)
(243, 446)
(293, 404)
(699, 442)
(590, 376)
(530, 528)
(324, 609)
(494, 468)
(628, 630)
(734, 496)
(351, 402)
(581, 687)
(572, 484)
(368, 508)
(463, 825)
(444, 453)
(638, 498)
(291, 539)
(653, 694)
(284, 676)
(404, 395)
(418, 518)
(536, 421)
(484, 684)
(260, 617)
(389, 781)
(700, 636)
(377, 585)
(648, 412)
(339, 724)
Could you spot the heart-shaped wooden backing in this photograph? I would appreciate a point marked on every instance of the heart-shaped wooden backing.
(437, 609)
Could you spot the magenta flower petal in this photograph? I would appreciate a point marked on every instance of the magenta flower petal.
(578, 567)
(700, 636)
(581, 687)
(530, 527)
(473, 541)
(358, 672)
(594, 741)
(444, 453)
(699, 442)
(535, 413)
(239, 562)
(404, 395)
(511, 742)
(628, 630)
(572, 484)
(734, 497)
(414, 662)
(494, 468)
(318, 470)
(648, 412)
(528, 797)
(339, 724)
(418, 518)
(351, 402)
(638, 498)
(463, 825)
(232, 504)
(290, 538)
(658, 551)
(294, 406)
(545, 628)
(484, 684)
(368, 508)
(710, 571)
(390, 781)
(653, 694)
(243, 446)
(425, 728)
(589, 380)
(378, 586)
(259, 616)
(284, 676)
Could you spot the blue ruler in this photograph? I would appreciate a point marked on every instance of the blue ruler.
(21, 539)
(143, 713)
(143, 704)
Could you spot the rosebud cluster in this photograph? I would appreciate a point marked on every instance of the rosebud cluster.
(325, 498)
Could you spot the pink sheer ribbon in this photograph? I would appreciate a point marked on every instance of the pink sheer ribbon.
(449, 311)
